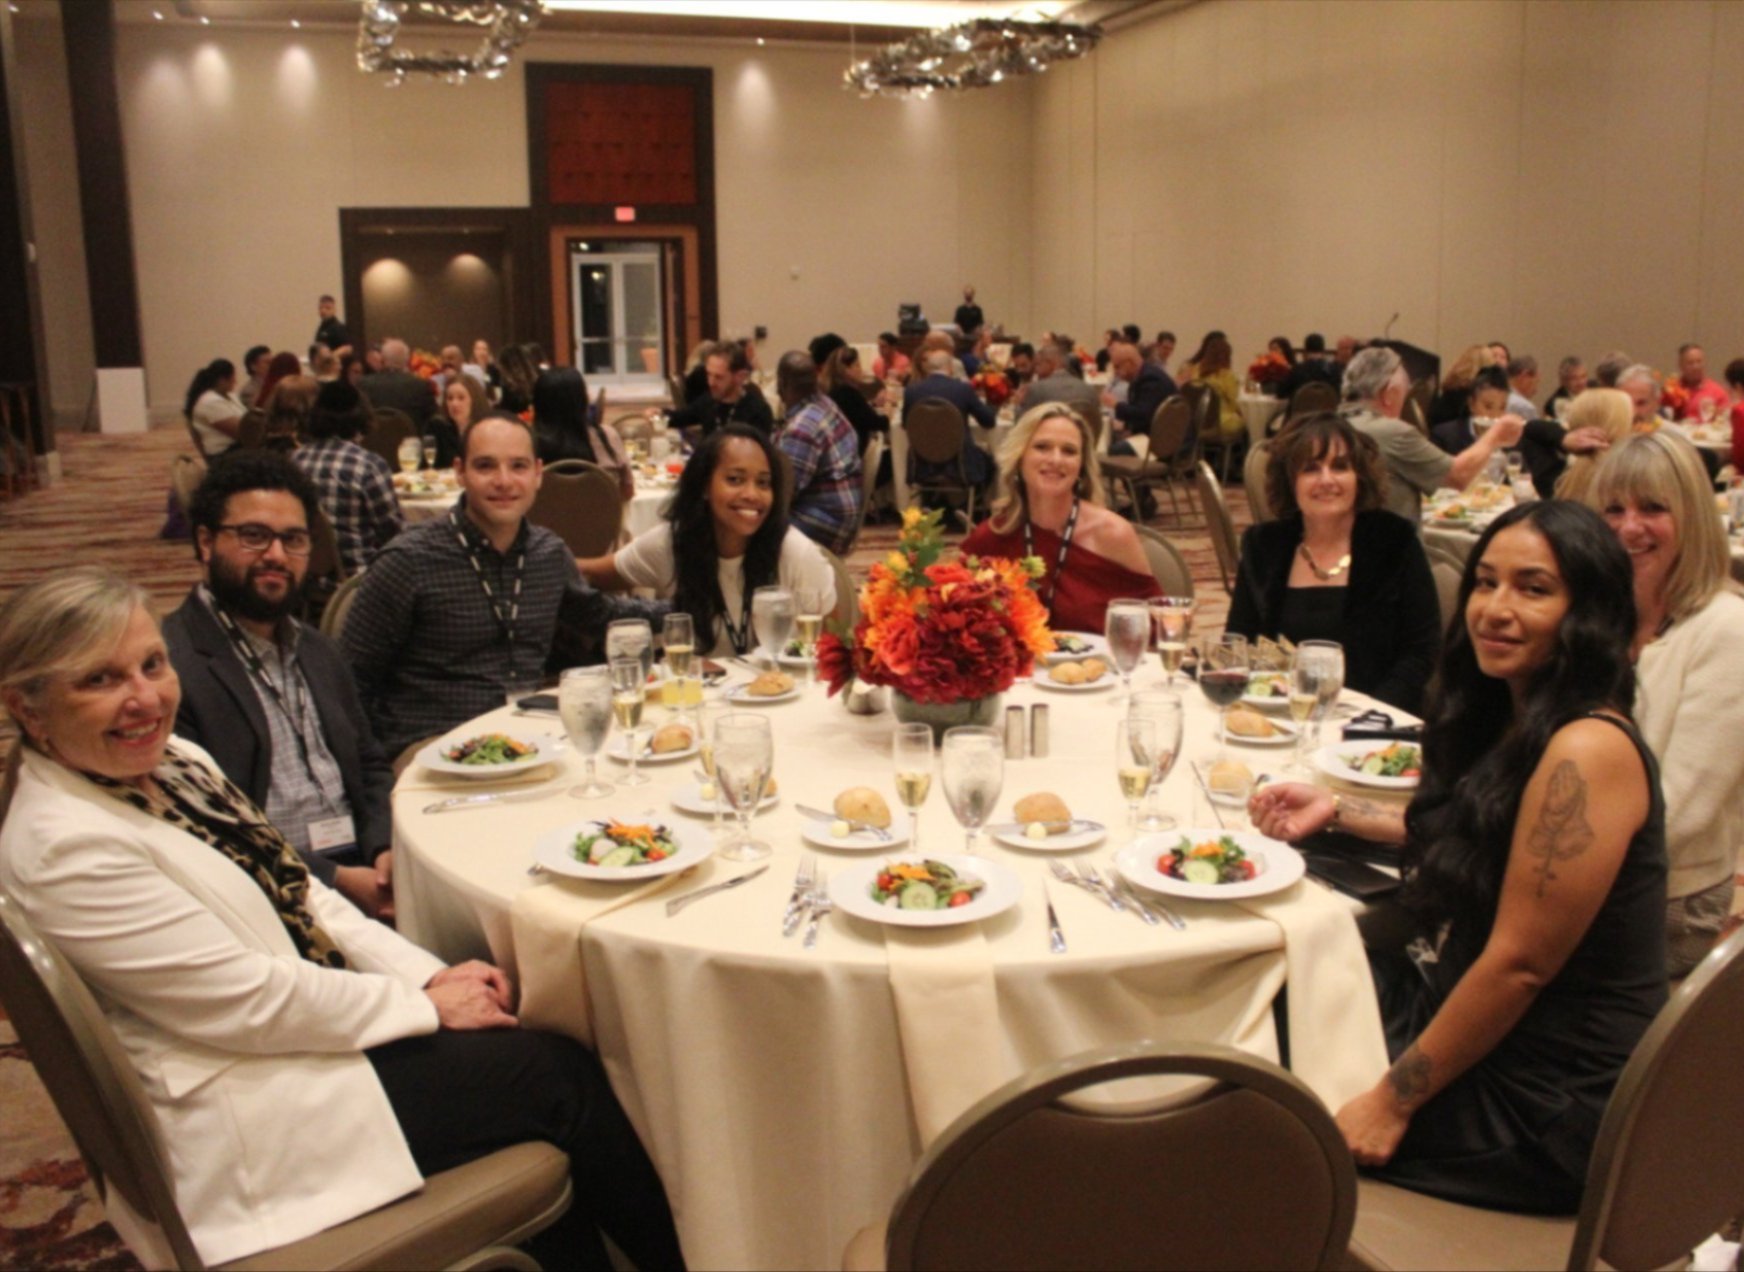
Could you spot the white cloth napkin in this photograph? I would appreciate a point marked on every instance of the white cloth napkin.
(947, 1014)
(547, 921)
(1337, 1046)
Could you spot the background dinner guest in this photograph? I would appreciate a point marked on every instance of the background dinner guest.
(324, 366)
(1705, 399)
(332, 332)
(1054, 382)
(891, 363)
(1642, 386)
(1148, 386)
(1162, 349)
(211, 408)
(485, 361)
(356, 486)
(731, 397)
(1281, 346)
(1315, 366)
(823, 456)
(1048, 503)
(1486, 398)
(278, 367)
(458, 609)
(1190, 368)
(936, 381)
(1213, 371)
(1604, 413)
(968, 316)
(1608, 369)
(1735, 382)
(1535, 868)
(563, 428)
(254, 367)
(1375, 385)
(842, 381)
(462, 403)
(1021, 369)
(1689, 640)
(1337, 566)
(725, 535)
(353, 370)
(270, 698)
(1453, 401)
(332, 1061)
(696, 370)
(1571, 382)
(288, 410)
(395, 388)
(1523, 386)
(518, 371)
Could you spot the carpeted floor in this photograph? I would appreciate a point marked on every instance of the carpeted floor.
(108, 508)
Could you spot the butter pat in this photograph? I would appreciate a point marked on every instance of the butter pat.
(840, 829)
(1035, 830)
(707, 791)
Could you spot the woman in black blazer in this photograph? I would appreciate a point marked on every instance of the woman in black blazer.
(1337, 566)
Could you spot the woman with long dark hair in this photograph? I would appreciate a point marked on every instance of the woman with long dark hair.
(1535, 867)
(725, 535)
(563, 429)
(211, 408)
(518, 371)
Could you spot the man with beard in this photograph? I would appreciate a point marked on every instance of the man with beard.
(270, 698)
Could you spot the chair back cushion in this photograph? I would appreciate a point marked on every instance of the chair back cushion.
(1314, 396)
(935, 431)
(1447, 576)
(1253, 481)
(387, 429)
(1217, 516)
(1166, 562)
(1169, 428)
(186, 473)
(580, 503)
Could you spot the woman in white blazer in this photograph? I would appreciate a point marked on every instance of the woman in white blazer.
(306, 1063)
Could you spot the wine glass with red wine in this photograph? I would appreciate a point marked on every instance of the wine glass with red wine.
(1223, 673)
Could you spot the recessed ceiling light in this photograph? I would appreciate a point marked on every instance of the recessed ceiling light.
(296, 24)
(761, 41)
(205, 21)
(157, 15)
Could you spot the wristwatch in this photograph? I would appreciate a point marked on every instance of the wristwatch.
(1337, 810)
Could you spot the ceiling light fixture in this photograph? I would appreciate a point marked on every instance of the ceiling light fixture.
(507, 25)
(975, 54)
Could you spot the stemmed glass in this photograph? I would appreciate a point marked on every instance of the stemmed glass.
(633, 637)
(678, 635)
(411, 454)
(744, 758)
(431, 450)
(629, 695)
(708, 714)
(1316, 680)
(772, 618)
(912, 750)
(1163, 707)
(808, 603)
(972, 763)
(584, 701)
(1128, 628)
(1135, 754)
(1223, 674)
(1174, 620)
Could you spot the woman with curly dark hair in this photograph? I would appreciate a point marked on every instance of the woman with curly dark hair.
(1337, 566)
(725, 535)
(1535, 867)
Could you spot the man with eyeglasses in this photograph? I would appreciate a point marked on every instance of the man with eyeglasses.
(270, 698)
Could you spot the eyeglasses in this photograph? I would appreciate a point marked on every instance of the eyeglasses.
(255, 537)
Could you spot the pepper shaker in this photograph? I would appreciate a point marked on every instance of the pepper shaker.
(1038, 731)
(1014, 735)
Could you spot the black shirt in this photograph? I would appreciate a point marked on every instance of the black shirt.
(969, 317)
(332, 333)
(704, 412)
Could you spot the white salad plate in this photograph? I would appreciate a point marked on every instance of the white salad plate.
(1335, 761)
(434, 757)
(1279, 865)
(555, 851)
(817, 833)
(851, 890)
(688, 799)
(1083, 834)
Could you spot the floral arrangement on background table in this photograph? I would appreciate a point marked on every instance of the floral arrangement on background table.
(1269, 368)
(424, 363)
(991, 384)
(1673, 396)
(947, 637)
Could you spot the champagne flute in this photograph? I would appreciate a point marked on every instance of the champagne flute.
(1223, 678)
(808, 604)
(972, 764)
(631, 636)
(584, 701)
(1164, 707)
(1174, 619)
(1317, 666)
(411, 455)
(678, 635)
(912, 749)
(772, 617)
(1128, 628)
(629, 696)
(744, 757)
(430, 449)
(1135, 751)
(708, 714)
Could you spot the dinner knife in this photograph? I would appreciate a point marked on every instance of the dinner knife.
(818, 814)
(1056, 937)
(479, 801)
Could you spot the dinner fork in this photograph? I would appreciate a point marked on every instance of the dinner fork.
(1111, 885)
(1145, 903)
(1066, 876)
(801, 898)
(1093, 880)
(821, 905)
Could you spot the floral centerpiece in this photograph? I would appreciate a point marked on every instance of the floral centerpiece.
(1673, 395)
(948, 637)
(424, 363)
(1269, 368)
(991, 384)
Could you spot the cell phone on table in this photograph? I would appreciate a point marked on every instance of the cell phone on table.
(537, 702)
(1353, 878)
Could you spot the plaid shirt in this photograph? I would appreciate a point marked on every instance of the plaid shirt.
(424, 643)
(820, 444)
(357, 493)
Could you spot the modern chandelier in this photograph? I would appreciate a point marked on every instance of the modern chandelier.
(974, 54)
(506, 24)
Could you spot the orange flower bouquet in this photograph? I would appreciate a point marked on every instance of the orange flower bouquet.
(1269, 368)
(940, 633)
(424, 363)
(991, 384)
(1673, 394)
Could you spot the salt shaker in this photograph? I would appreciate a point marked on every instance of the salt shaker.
(1038, 731)
(1014, 735)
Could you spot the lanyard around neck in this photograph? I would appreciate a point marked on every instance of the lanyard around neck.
(1060, 564)
(276, 697)
(505, 621)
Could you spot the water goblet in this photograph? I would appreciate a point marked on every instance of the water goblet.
(744, 757)
(772, 619)
(972, 764)
(1128, 628)
(631, 636)
(584, 701)
(1164, 707)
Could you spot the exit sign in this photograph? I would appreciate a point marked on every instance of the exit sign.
(624, 214)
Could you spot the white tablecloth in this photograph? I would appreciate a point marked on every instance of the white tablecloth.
(1257, 411)
(421, 508)
(771, 1084)
(646, 510)
(1714, 437)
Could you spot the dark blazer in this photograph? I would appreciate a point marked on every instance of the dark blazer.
(959, 393)
(1454, 436)
(400, 391)
(1392, 616)
(1144, 395)
(1312, 369)
(221, 711)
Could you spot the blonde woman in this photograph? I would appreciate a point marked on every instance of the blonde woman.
(1048, 503)
(1455, 396)
(1654, 492)
(1605, 412)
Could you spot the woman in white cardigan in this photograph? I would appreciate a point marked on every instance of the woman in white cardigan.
(305, 1063)
(1655, 493)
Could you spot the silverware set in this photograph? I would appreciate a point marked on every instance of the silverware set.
(1116, 893)
(808, 904)
(818, 814)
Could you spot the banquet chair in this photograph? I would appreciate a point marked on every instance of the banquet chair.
(338, 606)
(1217, 519)
(251, 433)
(847, 611)
(326, 568)
(937, 436)
(1447, 576)
(470, 1216)
(632, 425)
(1667, 1169)
(1416, 408)
(186, 474)
(1253, 481)
(1032, 1178)
(1214, 443)
(869, 465)
(1312, 397)
(1453, 546)
(1166, 562)
(675, 387)
(580, 502)
(387, 429)
(1172, 454)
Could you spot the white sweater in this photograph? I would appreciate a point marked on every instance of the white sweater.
(1690, 706)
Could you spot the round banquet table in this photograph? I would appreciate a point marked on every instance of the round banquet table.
(648, 507)
(1716, 436)
(420, 508)
(785, 1093)
(1257, 411)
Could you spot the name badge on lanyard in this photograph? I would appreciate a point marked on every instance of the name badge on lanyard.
(331, 834)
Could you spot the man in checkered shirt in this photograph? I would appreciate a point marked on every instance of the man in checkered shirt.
(456, 610)
(356, 485)
(824, 454)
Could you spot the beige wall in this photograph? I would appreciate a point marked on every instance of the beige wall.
(1561, 174)
(244, 142)
(54, 205)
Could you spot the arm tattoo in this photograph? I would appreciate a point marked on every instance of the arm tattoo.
(1562, 832)
(1366, 807)
(1409, 1077)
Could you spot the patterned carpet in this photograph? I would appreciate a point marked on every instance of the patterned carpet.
(108, 508)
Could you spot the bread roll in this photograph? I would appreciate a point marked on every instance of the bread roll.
(1230, 776)
(771, 684)
(1067, 673)
(1044, 807)
(1245, 722)
(669, 738)
(1094, 670)
(863, 804)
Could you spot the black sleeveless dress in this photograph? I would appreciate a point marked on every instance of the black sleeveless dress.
(1516, 1130)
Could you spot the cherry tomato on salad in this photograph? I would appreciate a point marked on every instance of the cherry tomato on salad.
(959, 898)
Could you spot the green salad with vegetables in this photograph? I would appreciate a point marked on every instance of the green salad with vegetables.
(1214, 861)
(490, 748)
(615, 844)
(927, 885)
(1066, 643)
(1398, 760)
